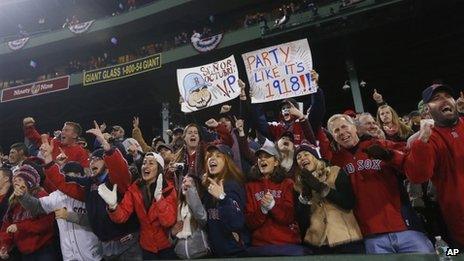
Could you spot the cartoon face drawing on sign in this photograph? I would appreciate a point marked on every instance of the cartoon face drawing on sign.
(196, 90)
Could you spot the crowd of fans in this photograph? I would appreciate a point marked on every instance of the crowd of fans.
(277, 17)
(238, 185)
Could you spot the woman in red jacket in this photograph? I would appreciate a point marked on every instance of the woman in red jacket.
(154, 201)
(33, 236)
(270, 208)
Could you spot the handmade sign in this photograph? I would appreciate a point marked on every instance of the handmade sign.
(280, 71)
(207, 85)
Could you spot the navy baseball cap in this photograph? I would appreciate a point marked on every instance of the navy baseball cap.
(428, 93)
(224, 149)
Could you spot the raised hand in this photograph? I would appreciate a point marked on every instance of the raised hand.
(242, 86)
(61, 158)
(187, 183)
(216, 189)
(46, 149)
(96, 131)
(239, 124)
(377, 96)
(109, 196)
(225, 108)
(135, 122)
(425, 131)
(103, 127)
(295, 111)
(211, 123)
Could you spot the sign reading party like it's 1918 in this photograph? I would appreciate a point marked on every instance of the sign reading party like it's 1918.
(207, 85)
(280, 71)
(123, 70)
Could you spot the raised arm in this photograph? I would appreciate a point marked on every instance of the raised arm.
(117, 166)
(30, 132)
(54, 176)
(137, 135)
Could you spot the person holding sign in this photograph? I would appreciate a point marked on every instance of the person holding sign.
(292, 119)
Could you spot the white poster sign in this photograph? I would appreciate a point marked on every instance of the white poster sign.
(208, 85)
(280, 71)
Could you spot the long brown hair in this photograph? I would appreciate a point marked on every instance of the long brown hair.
(403, 130)
(321, 166)
(181, 154)
(229, 172)
(277, 176)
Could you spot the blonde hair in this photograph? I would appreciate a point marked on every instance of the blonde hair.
(403, 130)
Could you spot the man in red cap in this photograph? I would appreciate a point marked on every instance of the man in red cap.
(438, 155)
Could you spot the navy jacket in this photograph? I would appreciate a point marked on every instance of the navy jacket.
(100, 222)
(227, 231)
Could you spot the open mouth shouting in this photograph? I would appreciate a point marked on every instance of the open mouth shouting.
(213, 166)
(447, 110)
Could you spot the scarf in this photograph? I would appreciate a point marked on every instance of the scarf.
(184, 215)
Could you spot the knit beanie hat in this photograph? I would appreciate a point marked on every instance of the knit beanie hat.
(29, 174)
(73, 167)
(306, 146)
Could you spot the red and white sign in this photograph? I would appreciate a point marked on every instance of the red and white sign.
(35, 89)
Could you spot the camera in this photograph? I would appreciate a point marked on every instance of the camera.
(179, 166)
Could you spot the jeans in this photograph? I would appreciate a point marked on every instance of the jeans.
(408, 241)
(126, 250)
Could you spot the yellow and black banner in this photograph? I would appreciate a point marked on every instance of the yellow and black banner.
(123, 70)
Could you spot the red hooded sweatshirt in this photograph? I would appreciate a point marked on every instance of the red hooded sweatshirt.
(441, 159)
(33, 232)
(278, 226)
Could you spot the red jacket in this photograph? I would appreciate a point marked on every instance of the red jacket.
(279, 226)
(375, 186)
(442, 161)
(73, 152)
(155, 222)
(118, 173)
(33, 232)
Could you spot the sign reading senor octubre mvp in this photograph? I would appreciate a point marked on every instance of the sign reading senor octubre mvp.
(123, 70)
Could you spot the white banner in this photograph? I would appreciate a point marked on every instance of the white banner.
(80, 28)
(280, 71)
(208, 85)
(207, 44)
(18, 44)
